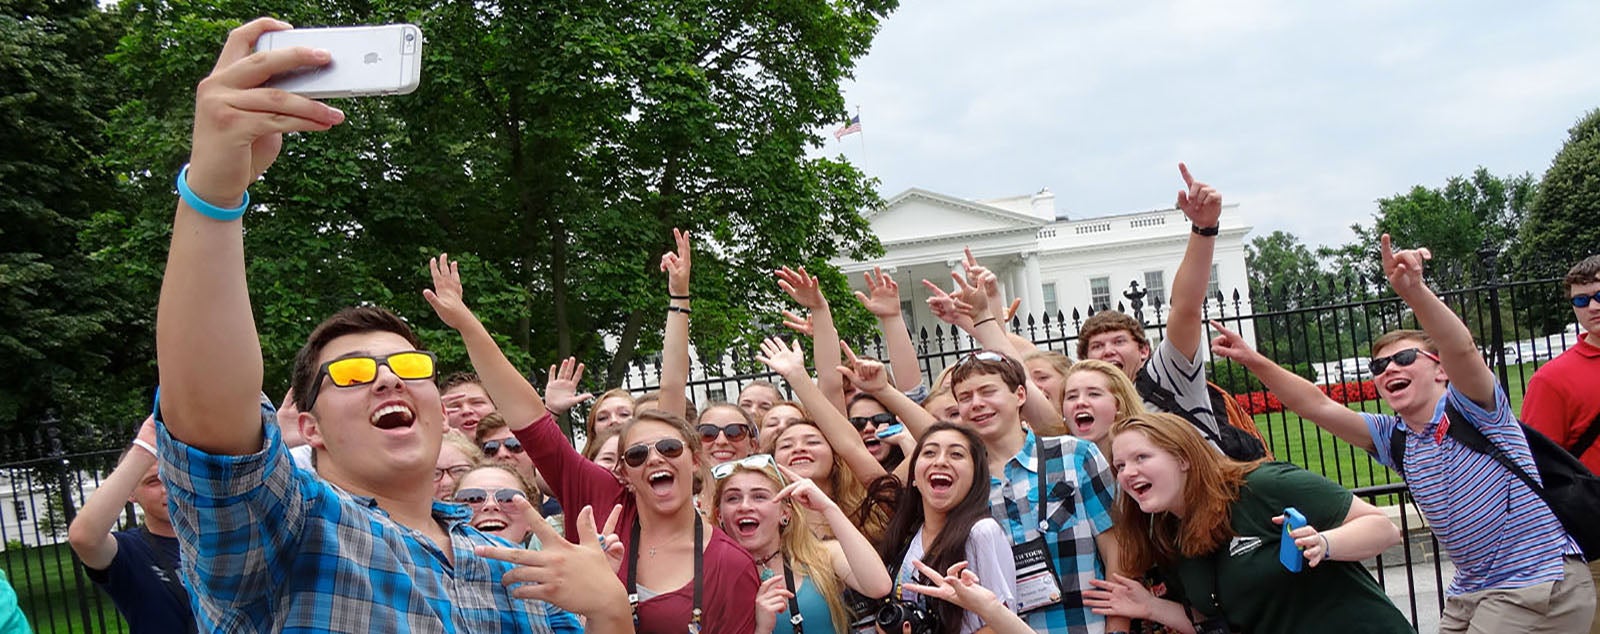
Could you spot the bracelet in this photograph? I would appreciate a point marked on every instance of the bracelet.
(1209, 232)
(679, 309)
(671, 296)
(140, 443)
(982, 322)
(207, 209)
(1327, 551)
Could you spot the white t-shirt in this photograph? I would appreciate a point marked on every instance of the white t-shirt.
(988, 556)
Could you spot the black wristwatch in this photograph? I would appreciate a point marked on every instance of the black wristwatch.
(1209, 232)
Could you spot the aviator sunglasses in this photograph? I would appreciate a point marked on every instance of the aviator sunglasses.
(1402, 358)
(491, 447)
(476, 496)
(668, 448)
(362, 370)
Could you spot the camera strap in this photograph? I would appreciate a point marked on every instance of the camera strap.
(1037, 584)
(1220, 623)
(795, 618)
(699, 564)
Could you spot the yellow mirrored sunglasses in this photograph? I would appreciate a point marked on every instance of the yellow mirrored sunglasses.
(361, 370)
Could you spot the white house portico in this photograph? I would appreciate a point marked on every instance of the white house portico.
(1054, 263)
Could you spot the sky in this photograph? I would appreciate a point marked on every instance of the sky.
(1303, 113)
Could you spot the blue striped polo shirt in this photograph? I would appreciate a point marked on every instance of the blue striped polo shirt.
(1497, 531)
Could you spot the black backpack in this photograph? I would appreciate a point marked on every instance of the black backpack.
(1235, 443)
(1570, 490)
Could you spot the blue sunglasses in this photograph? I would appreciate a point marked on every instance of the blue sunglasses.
(1582, 301)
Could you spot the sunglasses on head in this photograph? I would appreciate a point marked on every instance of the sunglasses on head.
(455, 472)
(984, 355)
(667, 447)
(491, 447)
(361, 370)
(759, 462)
(735, 431)
(476, 496)
(1582, 301)
(877, 420)
(1402, 358)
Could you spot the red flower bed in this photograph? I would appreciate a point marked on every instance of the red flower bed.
(1349, 392)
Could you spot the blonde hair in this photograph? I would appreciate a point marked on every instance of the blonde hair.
(866, 511)
(1057, 361)
(594, 410)
(468, 447)
(1128, 402)
(806, 553)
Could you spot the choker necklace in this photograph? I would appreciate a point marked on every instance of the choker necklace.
(767, 573)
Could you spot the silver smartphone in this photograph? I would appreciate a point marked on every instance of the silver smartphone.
(367, 60)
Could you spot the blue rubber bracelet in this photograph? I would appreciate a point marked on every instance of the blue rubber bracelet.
(207, 209)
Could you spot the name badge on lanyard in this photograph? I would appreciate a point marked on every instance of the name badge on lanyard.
(1036, 576)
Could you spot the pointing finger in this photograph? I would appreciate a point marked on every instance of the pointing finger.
(1183, 169)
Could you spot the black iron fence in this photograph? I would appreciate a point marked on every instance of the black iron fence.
(1322, 330)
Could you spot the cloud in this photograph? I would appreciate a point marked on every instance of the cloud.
(1305, 113)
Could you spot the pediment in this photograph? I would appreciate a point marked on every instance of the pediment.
(918, 215)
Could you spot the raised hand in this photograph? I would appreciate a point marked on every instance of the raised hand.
(571, 576)
(561, 387)
(804, 492)
(981, 277)
(801, 325)
(882, 298)
(1119, 596)
(445, 296)
(610, 541)
(147, 431)
(771, 600)
(1229, 345)
(1403, 268)
(787, 360)
(238, 124)
(805, 289)
(868, 375)
(1200, 202)
(948, 308)
(676, 264)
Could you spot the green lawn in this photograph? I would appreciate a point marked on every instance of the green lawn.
(49, 591)
(1303, 443)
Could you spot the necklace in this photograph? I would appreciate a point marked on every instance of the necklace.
(667, 542)
(766, 572)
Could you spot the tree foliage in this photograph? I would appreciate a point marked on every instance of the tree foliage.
(551, 147)
(1456, 221)
(64, 333)
(1563, 224)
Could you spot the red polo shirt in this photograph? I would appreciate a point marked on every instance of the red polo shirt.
(1563, 398)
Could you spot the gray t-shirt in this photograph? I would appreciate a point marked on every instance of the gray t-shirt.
(1186, 379)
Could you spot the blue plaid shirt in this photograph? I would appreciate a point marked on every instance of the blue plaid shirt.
(274, 548)
(1080, 490)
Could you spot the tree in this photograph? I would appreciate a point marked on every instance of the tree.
(61, 329)
(1455, 222)
(1564, 222)
(555, 144)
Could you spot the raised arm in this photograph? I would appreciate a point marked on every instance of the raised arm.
(806, 290)
(882, 299)
(966, 309)
(90, 532)
(1460, 358)
(675, 342)
(854, 558)
(869, 375)
(561, 387)
(1296, 393)
(1203, 206)
(515, 398)
(790, 363)
(206, 344)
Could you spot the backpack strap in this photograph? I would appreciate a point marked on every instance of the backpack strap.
(1397, 450)
(1464, 432)
(1163, 398)
(1586, 441)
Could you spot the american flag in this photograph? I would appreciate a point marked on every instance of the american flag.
(850, 127)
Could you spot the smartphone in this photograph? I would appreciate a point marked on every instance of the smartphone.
(1288, 553)
(367, 60)
(891, 430)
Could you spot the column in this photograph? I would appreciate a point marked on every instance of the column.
(1034, 300)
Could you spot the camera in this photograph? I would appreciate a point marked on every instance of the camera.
(922, 619)
(411, 37)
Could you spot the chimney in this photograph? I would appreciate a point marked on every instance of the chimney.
(1044, 205)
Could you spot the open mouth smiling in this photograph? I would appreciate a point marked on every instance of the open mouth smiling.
(393, 416)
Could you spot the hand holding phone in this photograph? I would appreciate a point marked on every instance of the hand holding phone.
(366, 60)
(885, 433)
(1288, 552)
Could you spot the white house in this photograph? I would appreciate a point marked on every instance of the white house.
(1054, 263)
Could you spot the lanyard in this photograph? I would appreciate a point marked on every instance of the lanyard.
(699, 563)
(794, 598)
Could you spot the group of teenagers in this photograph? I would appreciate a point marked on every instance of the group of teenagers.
(1017, 491)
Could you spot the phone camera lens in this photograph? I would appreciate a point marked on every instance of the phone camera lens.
(411, 37)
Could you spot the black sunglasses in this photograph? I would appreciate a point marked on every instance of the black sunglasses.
(877, 420)
(667, 447)
(491, 447)
(735, 432)
(1582, 301)
(476, 496)
(1402, 358)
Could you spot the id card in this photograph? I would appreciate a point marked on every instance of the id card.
(1037, 586)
